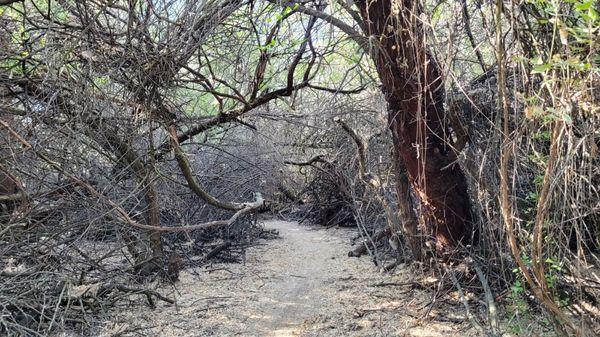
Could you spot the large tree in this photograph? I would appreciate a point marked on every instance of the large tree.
(394, 37)
(414, 91)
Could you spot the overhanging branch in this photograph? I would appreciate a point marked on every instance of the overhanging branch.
(355, 35)
(245, 208)
(193, 183)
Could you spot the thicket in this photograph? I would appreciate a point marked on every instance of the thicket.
(138, 138)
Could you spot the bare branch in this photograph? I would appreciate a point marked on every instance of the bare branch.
(193, 183)
(8, 2)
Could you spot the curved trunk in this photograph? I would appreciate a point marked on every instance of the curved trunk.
(414, 91)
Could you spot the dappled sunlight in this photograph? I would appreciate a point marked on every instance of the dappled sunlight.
(290, 287)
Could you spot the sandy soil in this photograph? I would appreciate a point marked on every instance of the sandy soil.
(302, 284)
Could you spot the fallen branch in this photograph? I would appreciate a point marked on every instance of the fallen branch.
(105, 289)
(315, 159)
(362, 249)
(465, 303)
(395, 284)
(215, 251)
(244, 207)
(489, 298)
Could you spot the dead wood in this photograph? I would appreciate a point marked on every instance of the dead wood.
(363, 247)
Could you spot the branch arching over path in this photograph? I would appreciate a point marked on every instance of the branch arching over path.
(245, 208)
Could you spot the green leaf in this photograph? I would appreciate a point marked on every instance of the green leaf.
(541, 68)
(585, 5)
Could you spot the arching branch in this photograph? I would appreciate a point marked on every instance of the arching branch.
(193, 183)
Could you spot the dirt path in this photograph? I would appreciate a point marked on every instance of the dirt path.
(302, 284)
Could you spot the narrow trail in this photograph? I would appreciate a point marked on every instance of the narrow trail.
(302, 284)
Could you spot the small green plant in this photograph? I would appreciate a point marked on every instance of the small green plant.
(518, 308)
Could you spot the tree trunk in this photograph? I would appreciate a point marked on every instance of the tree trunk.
(414, 92)
(152, 255)
(406, 212)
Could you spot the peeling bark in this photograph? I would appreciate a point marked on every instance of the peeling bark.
(414, 92)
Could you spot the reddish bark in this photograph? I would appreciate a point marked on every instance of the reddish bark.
(414, 92)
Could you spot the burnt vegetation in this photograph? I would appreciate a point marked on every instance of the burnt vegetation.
(142, 138)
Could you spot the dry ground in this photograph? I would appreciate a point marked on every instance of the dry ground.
(302, 284)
